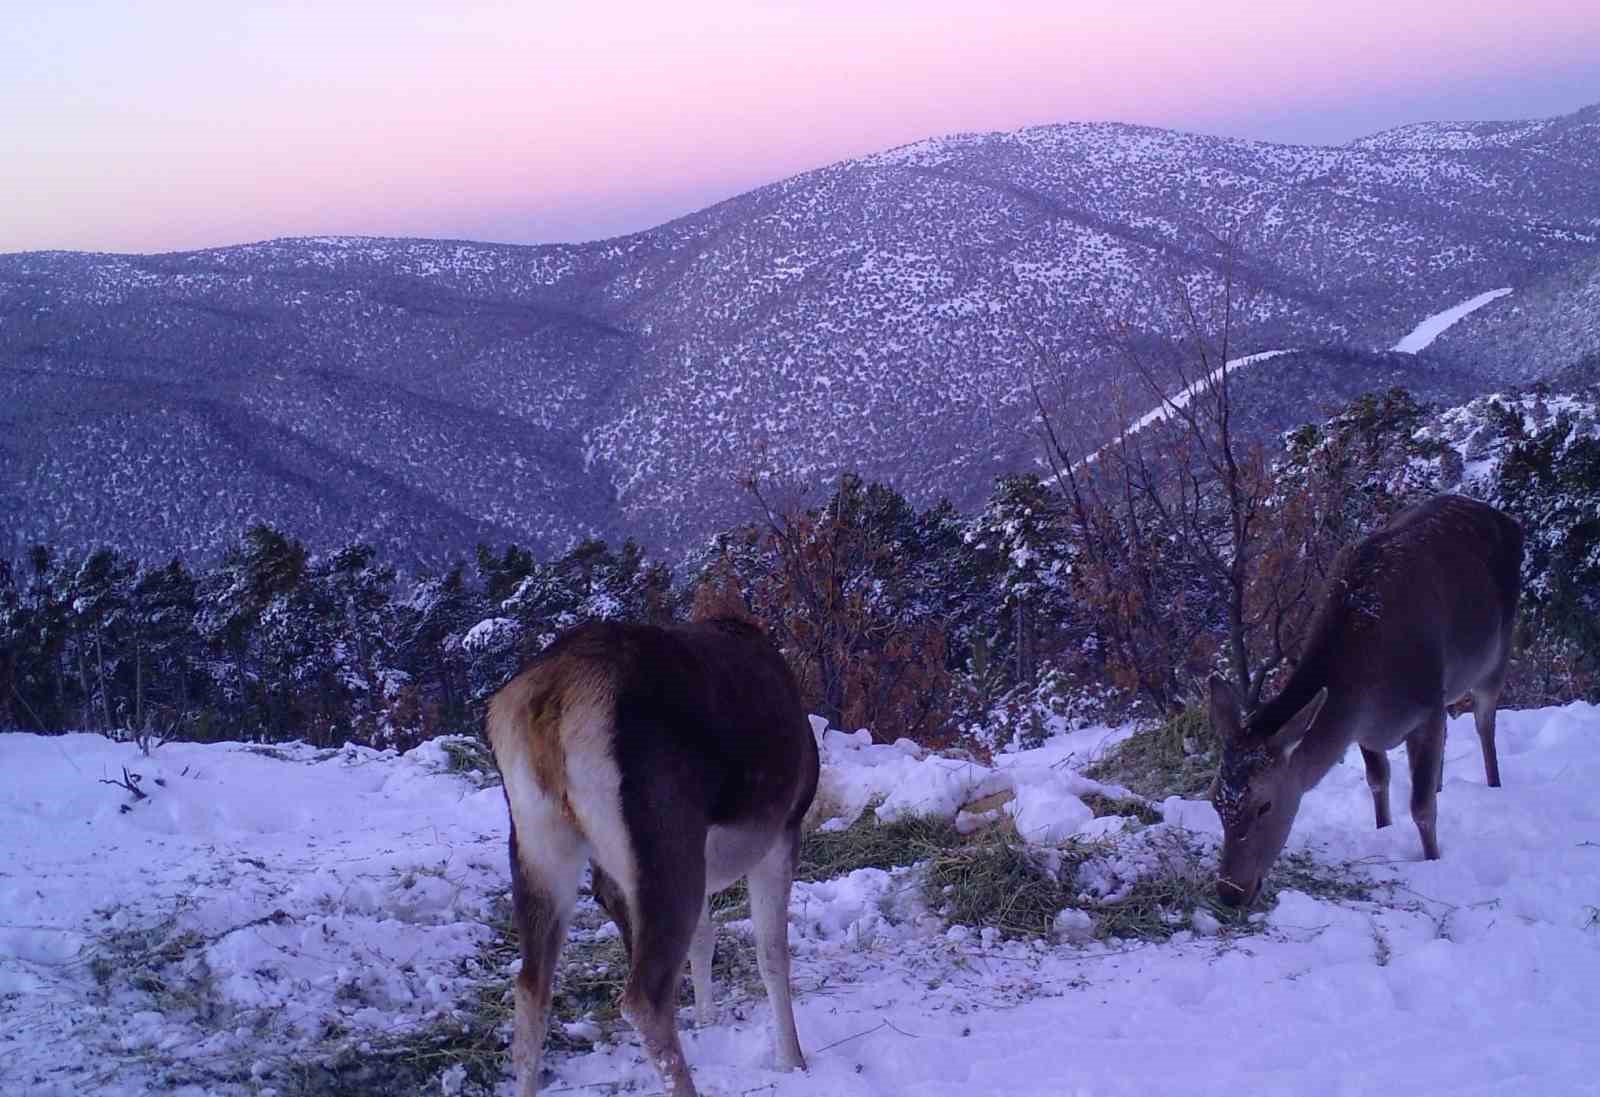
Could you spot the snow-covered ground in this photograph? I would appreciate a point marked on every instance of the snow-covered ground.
(299, 899)
(1436, 325)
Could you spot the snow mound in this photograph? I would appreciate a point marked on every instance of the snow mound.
(1040, 793)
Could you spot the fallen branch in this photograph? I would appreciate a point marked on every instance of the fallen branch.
(130, 781)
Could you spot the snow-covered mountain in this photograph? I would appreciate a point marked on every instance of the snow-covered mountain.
(1572, 136)
(884, 314)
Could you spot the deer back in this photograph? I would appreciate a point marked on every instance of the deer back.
(1414, 614)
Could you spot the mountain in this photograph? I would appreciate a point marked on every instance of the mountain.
(886, 314)
(1570, 136)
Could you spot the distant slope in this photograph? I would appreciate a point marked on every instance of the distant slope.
(1573, 136)
(1551, 325)
(882, 314)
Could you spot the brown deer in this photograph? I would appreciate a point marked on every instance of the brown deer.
(676, 759)
(1413, 617)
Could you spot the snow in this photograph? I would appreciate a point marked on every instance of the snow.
(903, 779)
(317, 885)
(304, 889)
(1436, 325)
(1171, 405)
(491, 634)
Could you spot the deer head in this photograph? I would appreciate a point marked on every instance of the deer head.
(1257, 791)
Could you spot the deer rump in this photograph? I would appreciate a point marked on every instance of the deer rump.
(676, 759)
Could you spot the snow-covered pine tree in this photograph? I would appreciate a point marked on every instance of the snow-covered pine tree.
(98, 599)
(162, 635)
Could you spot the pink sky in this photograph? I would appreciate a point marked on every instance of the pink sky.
(156, 127)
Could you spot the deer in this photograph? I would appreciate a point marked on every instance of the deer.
(674, 759)
(1413, 617)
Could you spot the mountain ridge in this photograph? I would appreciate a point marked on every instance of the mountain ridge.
(885, 314)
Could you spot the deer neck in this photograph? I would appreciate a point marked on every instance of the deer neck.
(1330, 735)
(1327, 741)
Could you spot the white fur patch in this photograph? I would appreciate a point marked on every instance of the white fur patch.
(594, 789)
(551, 849)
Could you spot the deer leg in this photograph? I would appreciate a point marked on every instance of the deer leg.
(1444, 737)
(1483, 707)
(613, 902)
(701, 951)
(544, 886)
(770, 880)
(664, 909)
(1378, 781)
(1425, 751)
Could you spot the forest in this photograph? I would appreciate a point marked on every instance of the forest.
(1109, 586)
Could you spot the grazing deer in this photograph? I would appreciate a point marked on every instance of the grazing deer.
(675, 759)
(1413, 617)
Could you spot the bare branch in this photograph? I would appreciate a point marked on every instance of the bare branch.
(130, 781)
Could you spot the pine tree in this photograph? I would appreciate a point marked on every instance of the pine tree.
(431, 684)
(161, 628)
(98, 597)
(1550, 480)
(245, 619)
(14, 633)
(1024, 533)
(353, 592)
(42, 619)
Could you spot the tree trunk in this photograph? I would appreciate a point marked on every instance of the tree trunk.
(1027, 657)
(83, 688)
(100, 668)
(138, 683)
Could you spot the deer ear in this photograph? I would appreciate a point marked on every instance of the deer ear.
(1224, 710)
(1288, 737)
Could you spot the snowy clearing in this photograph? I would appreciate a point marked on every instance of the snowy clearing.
(1440, 322)
(299, 900)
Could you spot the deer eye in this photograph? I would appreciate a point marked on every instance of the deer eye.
(1263, 809)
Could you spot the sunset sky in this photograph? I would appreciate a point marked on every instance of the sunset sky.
(160, 126)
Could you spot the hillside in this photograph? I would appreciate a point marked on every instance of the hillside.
(882, 314)
(1550, 326)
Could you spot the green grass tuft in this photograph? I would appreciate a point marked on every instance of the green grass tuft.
(411, 1062)
(1165, 902)
(1172, 758)
(998, 882)
(1340, 882)
(995, 882)
(471, 758)
(868, 843)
